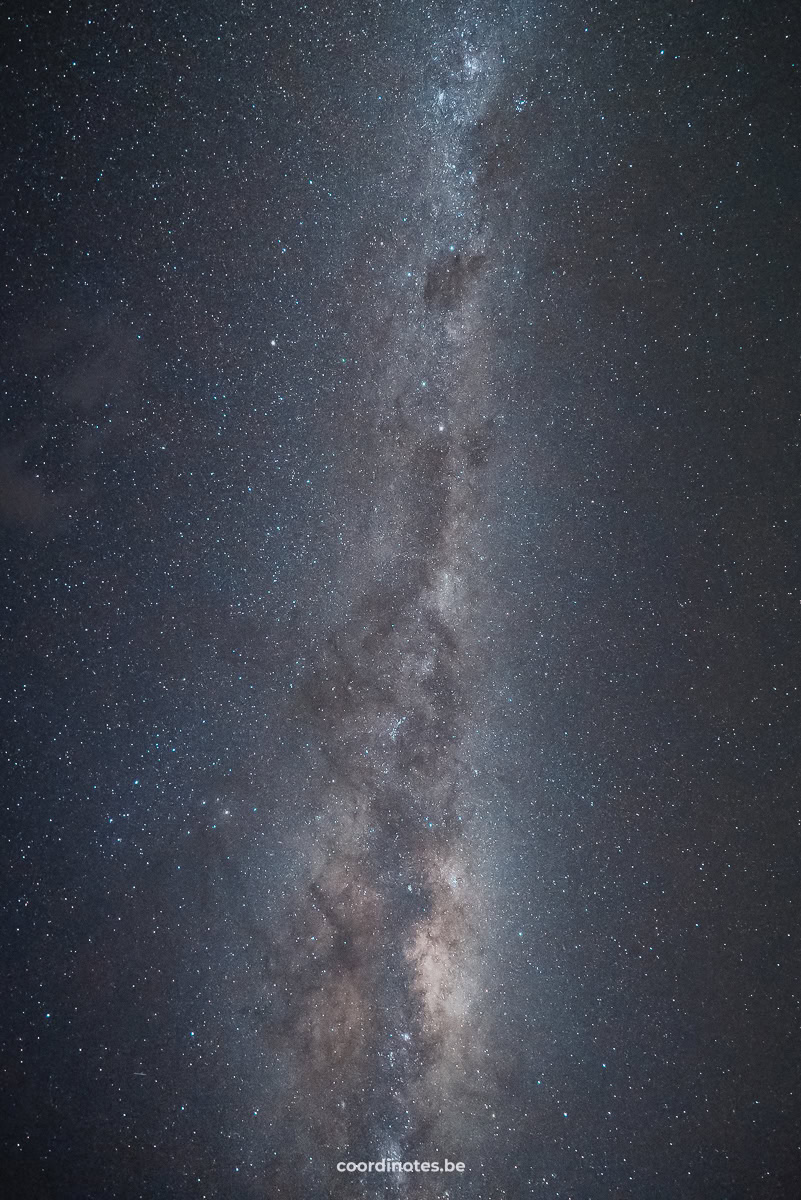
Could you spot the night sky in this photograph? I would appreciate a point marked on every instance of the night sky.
(399, 509)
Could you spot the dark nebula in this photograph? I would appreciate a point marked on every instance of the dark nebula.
(400, 511)
(448, 281)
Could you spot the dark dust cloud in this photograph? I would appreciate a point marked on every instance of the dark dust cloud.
(399, 514)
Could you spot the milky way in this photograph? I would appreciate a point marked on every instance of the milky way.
(399, 509)
(385, 971)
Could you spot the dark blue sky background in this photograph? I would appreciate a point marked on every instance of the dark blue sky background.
(210, 211)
